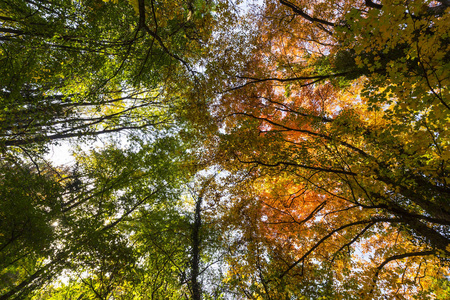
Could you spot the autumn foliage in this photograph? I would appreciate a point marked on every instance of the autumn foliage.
(288, 149)
(341, 118)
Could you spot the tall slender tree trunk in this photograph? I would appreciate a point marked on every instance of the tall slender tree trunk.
(196, 241)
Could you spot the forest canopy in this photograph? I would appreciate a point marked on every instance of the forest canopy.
(225, 150)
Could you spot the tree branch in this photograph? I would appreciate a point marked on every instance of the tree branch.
(301, 13)
(280, 163)
(373, 221)
(396, 257)
(371, 4)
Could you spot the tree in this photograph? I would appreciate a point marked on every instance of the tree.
(91, 67)
(80, 69)
(82, 229)
(340, 119)
(327, 122)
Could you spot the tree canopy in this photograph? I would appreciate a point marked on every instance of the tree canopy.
(268, 150)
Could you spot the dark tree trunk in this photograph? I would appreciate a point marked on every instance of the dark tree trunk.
(196, 241)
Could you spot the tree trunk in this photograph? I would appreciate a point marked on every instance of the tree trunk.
(196, 241)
